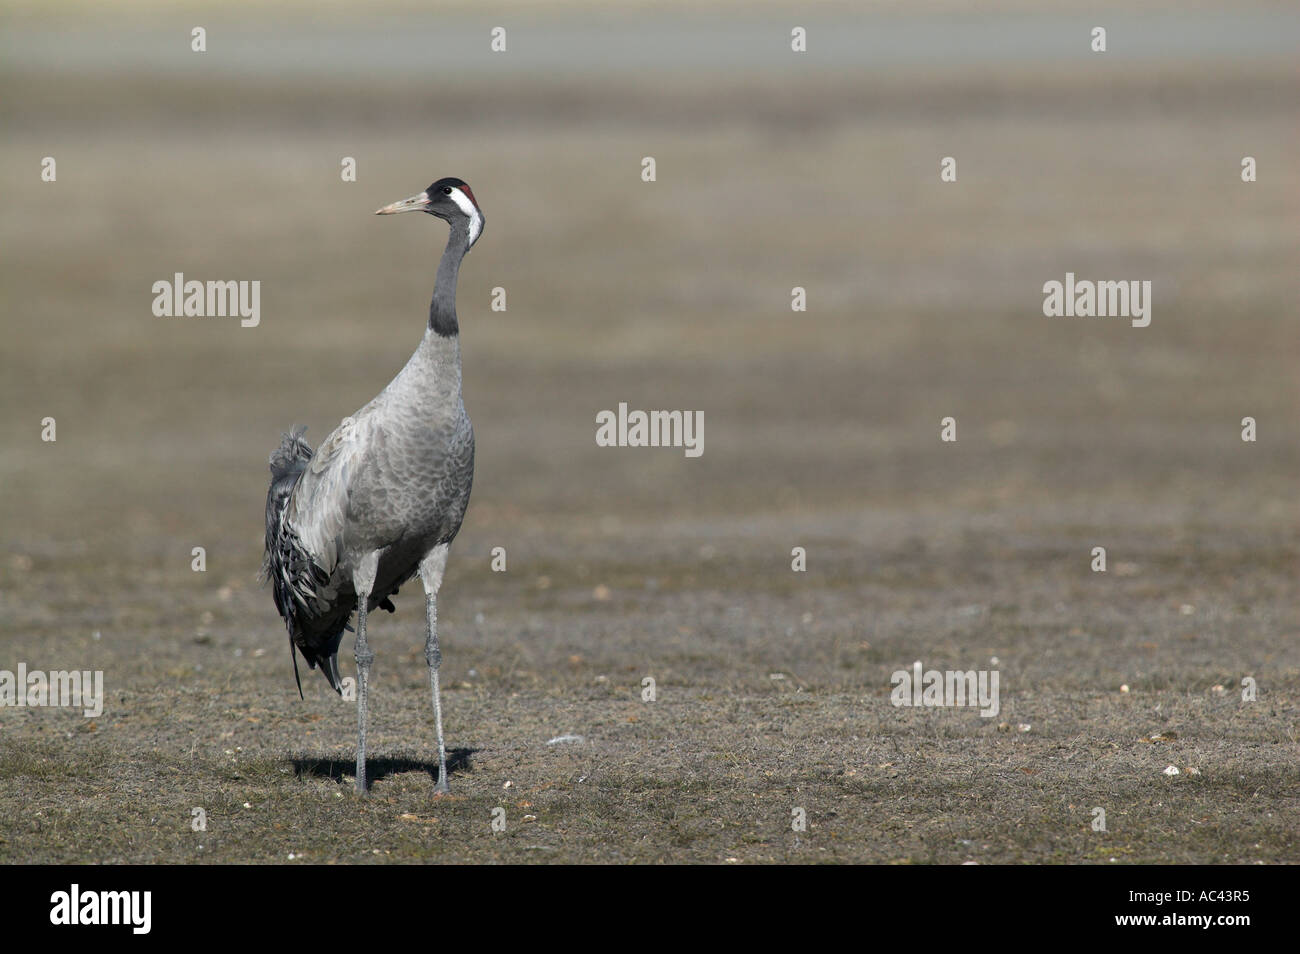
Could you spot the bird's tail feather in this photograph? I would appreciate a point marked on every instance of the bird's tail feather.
(293, 654)
(287, 462)
(284, 566)
(330, 666)
(291, 456)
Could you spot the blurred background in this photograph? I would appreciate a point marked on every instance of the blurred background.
(775, 169)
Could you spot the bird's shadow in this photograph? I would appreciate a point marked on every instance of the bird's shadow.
(342, 770)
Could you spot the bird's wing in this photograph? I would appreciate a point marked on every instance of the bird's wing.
(318, 509)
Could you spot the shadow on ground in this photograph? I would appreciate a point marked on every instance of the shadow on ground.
(458, 760)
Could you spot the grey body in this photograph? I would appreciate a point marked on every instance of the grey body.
(393, 478)
(384, 495)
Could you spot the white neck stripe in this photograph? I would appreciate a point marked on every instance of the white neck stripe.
(471, 210)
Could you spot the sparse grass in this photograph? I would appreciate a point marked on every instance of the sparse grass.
(822, 433)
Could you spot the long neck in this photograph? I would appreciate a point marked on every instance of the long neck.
(442, 310)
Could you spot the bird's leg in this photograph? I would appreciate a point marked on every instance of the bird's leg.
(364, 658)
(363, 580)
(433, 655)
(431, 568)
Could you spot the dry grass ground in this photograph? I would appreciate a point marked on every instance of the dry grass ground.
(821, 432)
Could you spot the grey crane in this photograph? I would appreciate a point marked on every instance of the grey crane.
(384, 495)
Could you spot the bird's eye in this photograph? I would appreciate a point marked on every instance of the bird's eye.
(446, 190)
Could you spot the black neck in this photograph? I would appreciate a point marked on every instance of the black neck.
(442, 309)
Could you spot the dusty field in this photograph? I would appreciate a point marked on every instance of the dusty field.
(822, 431)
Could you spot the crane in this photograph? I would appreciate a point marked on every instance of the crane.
(384, 495)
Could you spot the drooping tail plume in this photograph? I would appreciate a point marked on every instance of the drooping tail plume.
(288, 461)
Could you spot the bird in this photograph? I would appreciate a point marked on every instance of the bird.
(384, 495)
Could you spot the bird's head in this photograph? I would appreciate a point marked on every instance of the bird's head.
(449, 199)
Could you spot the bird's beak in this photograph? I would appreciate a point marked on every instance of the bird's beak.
(415, 203)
